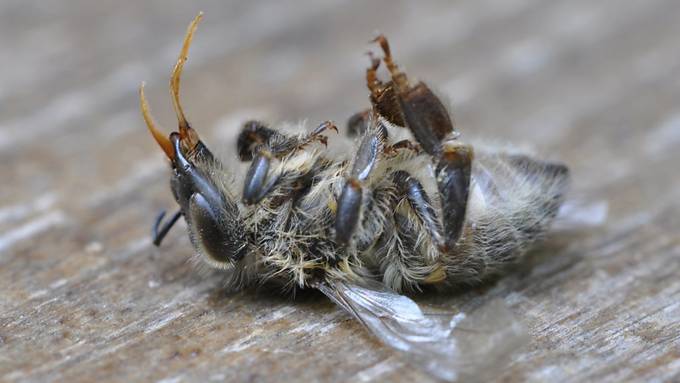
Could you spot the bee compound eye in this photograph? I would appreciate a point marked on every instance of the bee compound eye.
(216, 234)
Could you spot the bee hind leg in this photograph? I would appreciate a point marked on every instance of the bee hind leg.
(452, 173)
(384, 95)
(431, 125)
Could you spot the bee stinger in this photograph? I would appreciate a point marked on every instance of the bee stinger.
(411, 206)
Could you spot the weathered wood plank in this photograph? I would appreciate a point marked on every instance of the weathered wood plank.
(85, 295)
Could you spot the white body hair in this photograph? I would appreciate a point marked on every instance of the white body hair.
(513, 199)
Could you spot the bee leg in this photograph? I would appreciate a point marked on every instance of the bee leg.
(158, 235)
(348, 211)
(258, 183)
(410, 188)
(254, 134)
(452, 174)
(415, 107)
(349, 204)
(358, 123)
(453, 182)
(401, 146)
(398, 77)
(295, 143)
(314, 136)
(429, 121)
(383, 95)
(426, 117)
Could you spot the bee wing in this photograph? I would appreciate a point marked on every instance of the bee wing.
(448, 346)
(578, 213)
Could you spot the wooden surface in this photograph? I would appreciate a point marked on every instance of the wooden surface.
(84, 296)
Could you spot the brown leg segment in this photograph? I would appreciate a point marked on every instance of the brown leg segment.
(383, 96)
(427, 118)
(398, 77)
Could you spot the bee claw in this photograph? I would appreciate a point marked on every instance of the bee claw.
(384, 44)
(323, 140)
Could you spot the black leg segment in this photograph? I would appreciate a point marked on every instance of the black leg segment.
(253, 134)
(453, 181)
(258, 183)
(349, 204)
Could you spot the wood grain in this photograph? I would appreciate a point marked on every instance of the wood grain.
(86, 297)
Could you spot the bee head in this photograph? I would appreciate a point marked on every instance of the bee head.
(216, 230)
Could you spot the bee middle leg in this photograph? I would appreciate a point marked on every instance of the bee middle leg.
(349, 204)
(372, 145)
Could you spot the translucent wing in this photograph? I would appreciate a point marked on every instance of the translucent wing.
(449, 346)
(579, 213)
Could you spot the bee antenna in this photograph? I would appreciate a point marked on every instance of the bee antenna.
(185, 130)
(160, 138)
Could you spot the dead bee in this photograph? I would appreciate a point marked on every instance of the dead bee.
(411, 206)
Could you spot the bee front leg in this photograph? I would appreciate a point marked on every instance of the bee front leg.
(259, 182)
